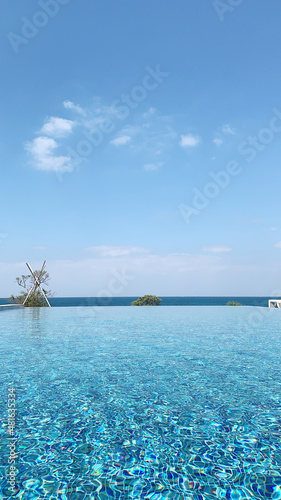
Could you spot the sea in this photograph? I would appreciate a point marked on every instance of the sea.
(166, 301)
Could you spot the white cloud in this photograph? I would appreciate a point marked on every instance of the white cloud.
(57, 127)
(74, 107)
(154, 139)
(189, 141)
(42, 150)
(149, 272)
(278, 245)
(218, 142)
(116, 251)
(227, 129)
(162, 274)
(121, 141)
(125, 135)
(153, 166)
(217, 249)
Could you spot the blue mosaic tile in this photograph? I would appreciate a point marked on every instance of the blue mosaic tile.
(142, 403)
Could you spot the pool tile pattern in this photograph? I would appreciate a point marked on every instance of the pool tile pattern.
(160, 403)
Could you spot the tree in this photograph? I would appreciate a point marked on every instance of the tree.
(233, 303)
(36, 297)
(147, 300)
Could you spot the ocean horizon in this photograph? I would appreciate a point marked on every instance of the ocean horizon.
(166, 301)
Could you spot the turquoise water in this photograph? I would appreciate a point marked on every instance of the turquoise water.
(142, 403)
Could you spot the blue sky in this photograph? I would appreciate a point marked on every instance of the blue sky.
(140, 144)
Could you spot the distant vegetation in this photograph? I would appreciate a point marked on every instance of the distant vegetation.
(35, 298)
(233, 303)
(147, 300)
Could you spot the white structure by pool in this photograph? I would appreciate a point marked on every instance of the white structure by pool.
(274, 303)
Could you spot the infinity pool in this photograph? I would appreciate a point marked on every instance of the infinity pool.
(148, 403)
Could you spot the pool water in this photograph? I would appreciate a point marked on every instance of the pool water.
(148, 403)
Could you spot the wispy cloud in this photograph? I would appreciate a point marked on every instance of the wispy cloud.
(150, 133)
(121, 140)
(227, 129)
(74, 107)
(155, 136)
(153, 166)
(217, 141)
(147, 134)
(149, 112)
(189, 141)
(217, 249)
(99, 112)
(278, 245)
(42, 152)
(153, 272)
(116, 251)
(221, 132)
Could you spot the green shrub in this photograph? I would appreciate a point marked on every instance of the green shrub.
(147, 300)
